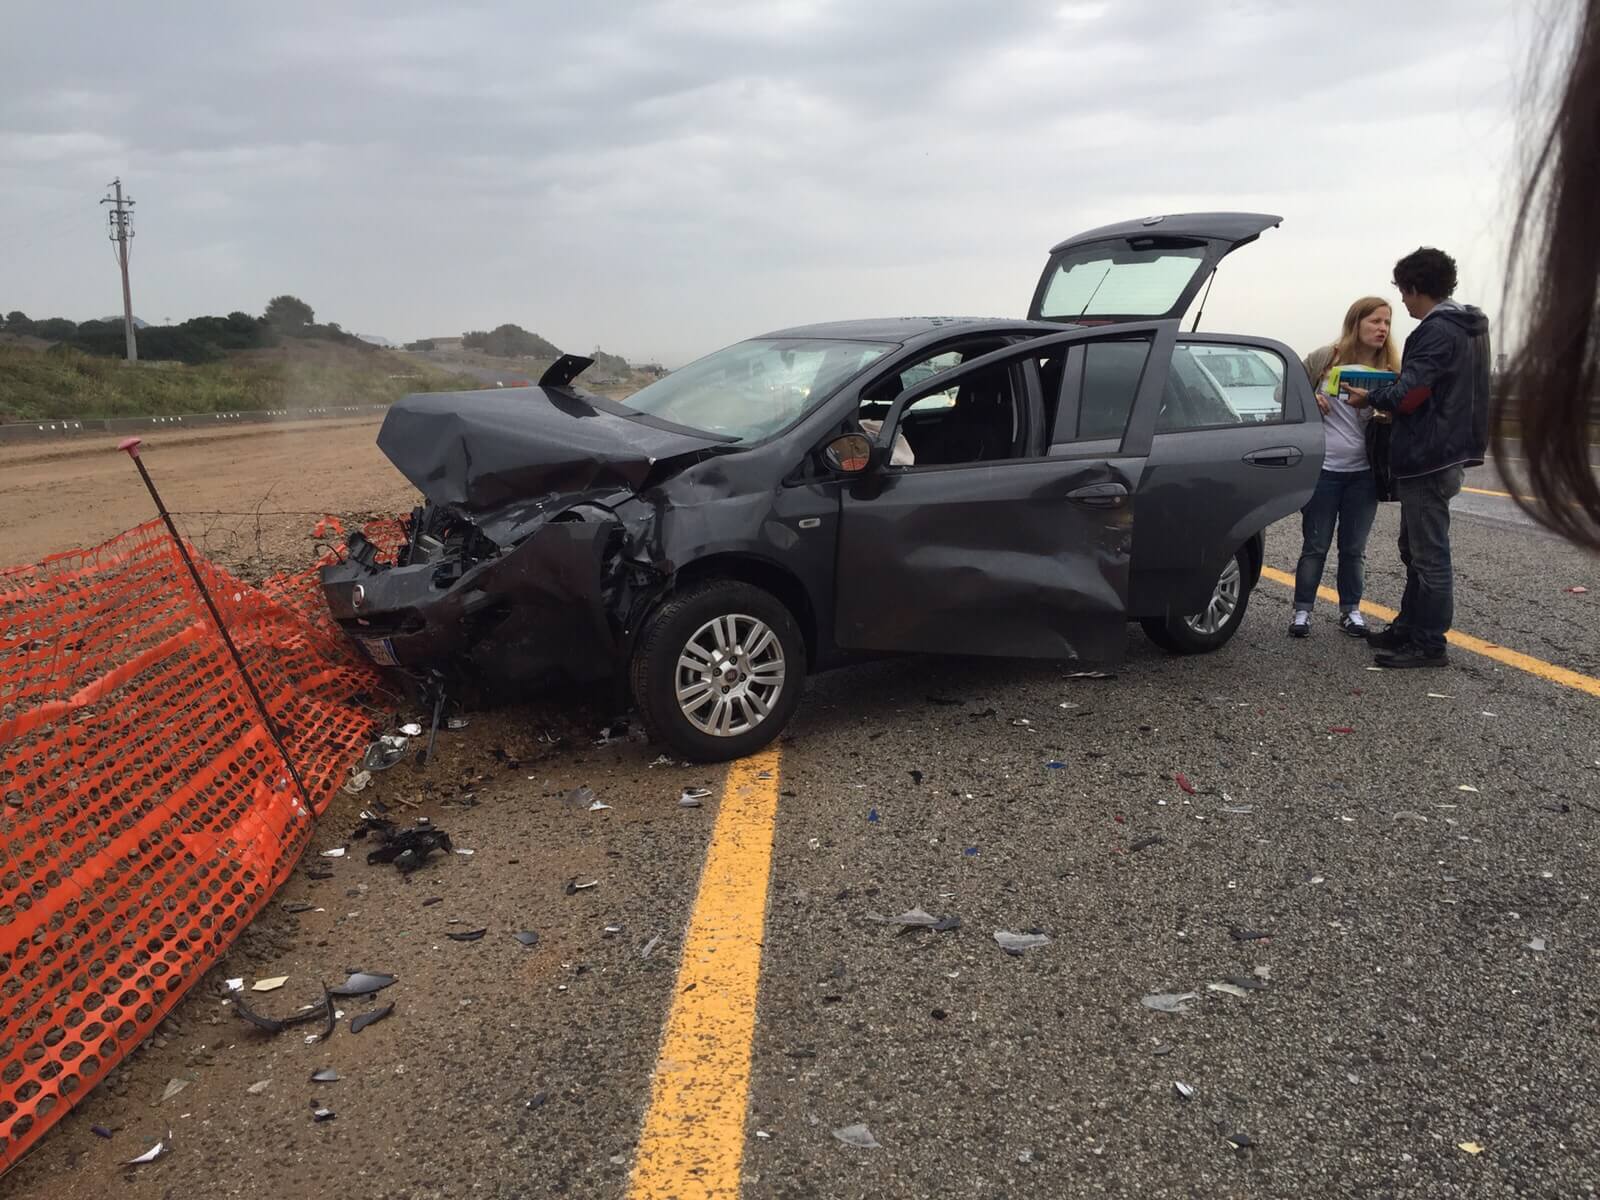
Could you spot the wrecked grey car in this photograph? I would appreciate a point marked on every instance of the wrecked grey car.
(962, 486)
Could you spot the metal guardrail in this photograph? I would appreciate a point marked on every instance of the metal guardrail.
(39, 431)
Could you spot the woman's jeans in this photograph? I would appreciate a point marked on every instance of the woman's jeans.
(1348, 500)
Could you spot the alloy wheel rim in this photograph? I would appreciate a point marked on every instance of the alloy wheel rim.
(1224, 602)
(729, 675)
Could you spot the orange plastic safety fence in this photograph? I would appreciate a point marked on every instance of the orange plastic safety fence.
(145, 813)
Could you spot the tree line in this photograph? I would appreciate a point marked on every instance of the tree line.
(197, 340)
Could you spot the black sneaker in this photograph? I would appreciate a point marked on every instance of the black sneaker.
(1300, 625)
(1388, 639)
(1409, 657)
(1354, 624)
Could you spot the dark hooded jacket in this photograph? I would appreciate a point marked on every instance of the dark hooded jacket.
(1441, 400)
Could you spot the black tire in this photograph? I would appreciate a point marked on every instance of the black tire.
(668, 636)
(1194, 635)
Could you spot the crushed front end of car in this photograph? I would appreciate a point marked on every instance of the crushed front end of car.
(532, 548)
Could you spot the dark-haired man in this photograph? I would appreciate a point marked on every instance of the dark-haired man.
(1441, 426)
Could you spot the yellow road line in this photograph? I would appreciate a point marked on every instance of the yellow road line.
(693, 1140)
(1511, 658)
(1487, 492)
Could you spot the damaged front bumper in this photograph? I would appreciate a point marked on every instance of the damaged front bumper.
(459, 606)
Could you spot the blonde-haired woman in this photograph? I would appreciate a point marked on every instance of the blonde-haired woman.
(1346, 498)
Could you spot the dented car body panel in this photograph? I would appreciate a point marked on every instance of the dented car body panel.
(557, 523)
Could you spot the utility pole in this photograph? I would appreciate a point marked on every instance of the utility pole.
(121, 221)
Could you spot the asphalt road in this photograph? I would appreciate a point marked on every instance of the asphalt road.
(1401, 871)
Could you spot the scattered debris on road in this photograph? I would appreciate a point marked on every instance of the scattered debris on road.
(858, 1136)
(362, 983)
(357, 1024)
(1017, 944)
(155, 1152)
(1176, 1003)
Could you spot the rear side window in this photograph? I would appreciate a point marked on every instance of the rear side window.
(1215, 386)
(1098, 390)
(1111, 373)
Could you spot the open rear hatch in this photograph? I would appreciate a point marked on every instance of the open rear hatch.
(1149, 269)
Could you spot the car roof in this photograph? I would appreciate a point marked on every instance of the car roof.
(910, 330)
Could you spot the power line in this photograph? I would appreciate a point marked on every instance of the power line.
(120, 219)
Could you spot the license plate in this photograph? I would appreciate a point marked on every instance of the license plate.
(380, 651)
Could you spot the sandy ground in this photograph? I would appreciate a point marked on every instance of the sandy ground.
(64, 495)
(1406, 1012)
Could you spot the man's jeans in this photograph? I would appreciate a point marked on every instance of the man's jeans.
(1350, 499)
(1428, 606)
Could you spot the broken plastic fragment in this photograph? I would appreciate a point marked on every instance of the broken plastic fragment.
(1340, 729)
(527, 937)
(578, 797)
(155, 1152)
(411, 729)
(599, 806)
(321, 1113)
(326, 1075)
(464, 852)
(1055, 764)
(916, 919)
(1578, 590)
(1467, 787)
(357, 1024)
(1470, 1147)
(1018, 943)
(336, 852)
(693, 797)
(1182, 781)
(1238, 810)
(384, 753)
(470, 935)
(1256, 982)
(358, 782)
(858, 1136)
(1248, 935)
(649, 947)
(575, 885)
(235, 985)
(100, 1131)
(269, 985)
(1231, 989)
(261, 1085)
(1536, 944)
(1240, 1141)
(362, 983)
(1169, 1002)
(174, 1086)
(1185, 1091)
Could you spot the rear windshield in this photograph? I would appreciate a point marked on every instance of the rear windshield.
(1118, 279)
(753, 389)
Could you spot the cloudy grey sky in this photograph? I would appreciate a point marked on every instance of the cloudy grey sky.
(663, 178)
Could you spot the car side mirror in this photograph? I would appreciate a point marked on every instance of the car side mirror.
(850, 454)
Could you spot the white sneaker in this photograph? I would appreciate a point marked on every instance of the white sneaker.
(1354, 623)
(1300, 626)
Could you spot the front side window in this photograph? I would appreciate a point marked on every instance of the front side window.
(1218, 386)
(752, 389)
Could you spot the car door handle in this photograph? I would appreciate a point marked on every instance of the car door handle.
(1099, 495)
(1275, 456)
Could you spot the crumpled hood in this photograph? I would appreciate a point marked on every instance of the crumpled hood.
(483, 450)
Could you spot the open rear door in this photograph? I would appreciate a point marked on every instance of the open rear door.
(1149, 269)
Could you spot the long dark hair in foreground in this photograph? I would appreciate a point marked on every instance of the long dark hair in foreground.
(1554, 387)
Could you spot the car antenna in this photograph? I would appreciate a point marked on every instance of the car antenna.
(1096, 291)
(1210, 279)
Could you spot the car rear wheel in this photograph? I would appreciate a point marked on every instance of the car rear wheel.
(1213, 626)
(718, 670)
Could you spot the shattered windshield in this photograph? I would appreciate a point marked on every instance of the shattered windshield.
(755, 388)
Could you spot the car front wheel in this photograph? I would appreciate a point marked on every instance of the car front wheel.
(718, 670)
(1213, 626)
